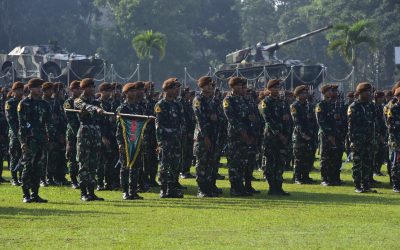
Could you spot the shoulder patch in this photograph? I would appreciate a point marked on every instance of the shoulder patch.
(196, 103)
(389, 113)
(19, 107)
(318, 109)
(157, 109)
(349, 111)
(385, 110)
(263, 105)
(293, 110)
(7, 106)
(225, 103)
(67, 105)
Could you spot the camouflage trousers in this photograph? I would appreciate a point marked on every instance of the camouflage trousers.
(395, 167)
(70, 155)
(33, 161)
(129, 176)
(105, 168)
(380, 156)
(88, 147)
(149, 166)
(275, 154)
(362, 163)
(3, 154)
(237, 154)
(329, 155)
(170, 156)
(303, 155)
(206, 166)
(15, 156)
(56, 163)
(187, 157)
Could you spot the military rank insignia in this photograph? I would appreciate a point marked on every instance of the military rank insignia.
(7, 106)
(263, 105)
(196, 104)
(349, 111)
(389, 113)
(157, 109)
(318, 109)
(19, 107)
(293, 110)
(67, 105)
(225, 104)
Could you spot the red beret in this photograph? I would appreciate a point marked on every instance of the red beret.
(17, 85)
(47, 86)
(35, 83)
(105, 86)
(133, 85)
(364, 86)
(171, 83)
(74, 84)
(273, 82)
(326, 88)
(233, 81)
(87, 82)
(300, 89)
(204, 80)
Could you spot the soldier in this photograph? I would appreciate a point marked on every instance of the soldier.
(88, 139)
(275, 137)
(302, 136)
(288, 126)
(393, 123)
(205, 138)
(187, 149)
(149, 144)
(72, 132)
(49, 168)
(239, 140)
(3, 141)
(350, 100)
(106, 166)
(380, 153)
(34, 130)
(328, 132)
(361, 119)
(13, 125)
(170, 126)
(133, 104)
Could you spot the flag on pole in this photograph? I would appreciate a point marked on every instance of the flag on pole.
(133, 130)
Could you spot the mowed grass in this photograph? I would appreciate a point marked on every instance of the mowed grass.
(313, 217)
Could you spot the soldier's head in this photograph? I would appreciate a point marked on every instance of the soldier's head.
(350, 97)
(379, 97)
(237, 85)
(75, 89)
(149, 88)
(171, 88)
(207, 85)
(273, 87)
(289, 96)
(397, 93)
(87, 86)
(364, 91)
(47, 89)
(18, 89)
(58, 90)
(134, 91)
(105, 90)
(388, 95)
(301, 92)
(35, 88)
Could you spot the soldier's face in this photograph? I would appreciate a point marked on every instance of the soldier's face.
(18, 93)
(36, 92)
(274, 91)
(208, 89)
(139, 94)
(106, 94)
(365, 95)
(76, 92)
(47, 93)
(334, 93)
(89, 91)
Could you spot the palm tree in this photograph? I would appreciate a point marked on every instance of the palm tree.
(346, 38)
(146, 42)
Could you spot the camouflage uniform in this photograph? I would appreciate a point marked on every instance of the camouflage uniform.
(34, 130)
(88, 143)
(390, 153)
(187, 149)
(105, 170)
(341, 125)
(361, 118)
(393, 123)
(149, 146)
(275, 151)
(302, 148)
(3, 142)
(236, 112)
(205, 159)
(170, 127)
(71, 134)
(380, 154)
(14, 146)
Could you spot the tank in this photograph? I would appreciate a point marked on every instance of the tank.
(48, 62)
(260, 63)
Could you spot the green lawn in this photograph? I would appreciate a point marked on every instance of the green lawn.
(314, 217)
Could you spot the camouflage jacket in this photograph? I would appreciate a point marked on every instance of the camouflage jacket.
(272, 112)
(237, 115)
(302, 123)
(89, 117)
(58, 116)
(170, 121)
(340, 116)
(189, 116)
(361, 120)
(72, 118)
(138, 108)
(34, 120)
(325, 112)
(393, 122)
(107, 122)
(203, 110)
(12, 116)
(380, 125)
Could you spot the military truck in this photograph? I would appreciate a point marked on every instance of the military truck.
(261, 63)
(48, 62)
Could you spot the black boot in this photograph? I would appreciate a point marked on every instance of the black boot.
(358, 188)
(27, 195)
(279, 189)
(272, 188)
(84, 195)
(235, 191)
(163, 191)
(249, 188)
(35, 196)
(92, 196)
(174, 191)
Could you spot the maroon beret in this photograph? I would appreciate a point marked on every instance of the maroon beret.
(105, 86)
(300, 89)
(87, 82)
(364, 86)
(74, 84)
(273, 82)
(171, 83)
(204, 80)
(233, 81)
(17, 85)
(47, 86)
(35, 83)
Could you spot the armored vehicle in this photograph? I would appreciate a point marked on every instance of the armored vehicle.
(48, 62)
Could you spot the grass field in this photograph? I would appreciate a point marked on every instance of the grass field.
(314, 217)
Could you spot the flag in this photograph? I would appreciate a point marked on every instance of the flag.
(133, 130)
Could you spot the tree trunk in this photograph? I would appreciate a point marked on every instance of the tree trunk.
(150, 76)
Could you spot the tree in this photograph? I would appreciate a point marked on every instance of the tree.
(146, 42)
(346, 38)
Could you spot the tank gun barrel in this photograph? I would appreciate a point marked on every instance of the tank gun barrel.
(276, 46)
